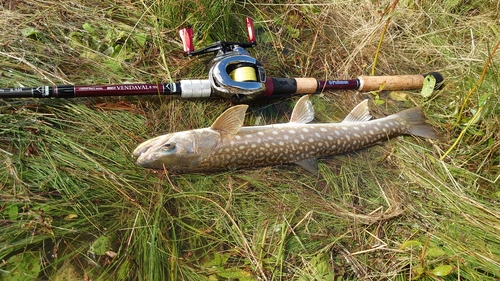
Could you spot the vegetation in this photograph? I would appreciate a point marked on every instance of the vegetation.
(75, 206)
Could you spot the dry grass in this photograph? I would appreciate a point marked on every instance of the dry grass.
(74, 205)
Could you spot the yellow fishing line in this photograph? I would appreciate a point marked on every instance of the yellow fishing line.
(243, 74)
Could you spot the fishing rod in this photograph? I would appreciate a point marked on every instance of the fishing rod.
(234, 75)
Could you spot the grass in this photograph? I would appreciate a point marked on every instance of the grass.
(74, 205)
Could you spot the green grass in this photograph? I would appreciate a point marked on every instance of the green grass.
(74, 205)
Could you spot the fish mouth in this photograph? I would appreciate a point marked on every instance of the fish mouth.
(145, 146)
(141, 149)
(145, 153)
(145, 160)
(141, 158)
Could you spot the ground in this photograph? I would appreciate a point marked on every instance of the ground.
(74, 205)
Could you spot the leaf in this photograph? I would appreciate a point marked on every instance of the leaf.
(113, 65)
(12, 212)
(140, 38)
(377, 100)
(116, 50)
(321, 264)
(75, 37)
(443, 270)
(235, 273)
(110, 35)
(111, 254)
(292, 31)
(31, 32)
(428, 86)
(70, 216)
(435, 252)
(218, 265)
(410, 243)
(22, 267)
(89, 28)
(120, 105)
(124, 271)
(483, 99)
(397, 96)
(101, 245)
(218, 260)
(320, 267)
(496, 194)
(418, 272)
(121, 35)
(382, 86)
(67, 272)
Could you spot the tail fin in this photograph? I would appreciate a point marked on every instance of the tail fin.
(417, 121)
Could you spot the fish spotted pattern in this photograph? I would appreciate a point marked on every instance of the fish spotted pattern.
(228, 145)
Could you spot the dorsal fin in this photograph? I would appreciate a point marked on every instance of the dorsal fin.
(231, 120)
(360, 113)
(303, 112)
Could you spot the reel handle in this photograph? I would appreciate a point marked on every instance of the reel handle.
(222, 47)
(252, 39)
(187, 40)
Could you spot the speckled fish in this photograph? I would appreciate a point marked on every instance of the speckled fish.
(227, 145)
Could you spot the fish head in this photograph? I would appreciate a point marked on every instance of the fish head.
(180, 151)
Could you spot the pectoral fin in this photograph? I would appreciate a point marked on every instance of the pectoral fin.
(231, 120)
(310, 165)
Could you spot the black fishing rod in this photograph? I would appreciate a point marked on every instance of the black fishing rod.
(234, 75)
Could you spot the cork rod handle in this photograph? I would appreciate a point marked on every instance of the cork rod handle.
(397, 82)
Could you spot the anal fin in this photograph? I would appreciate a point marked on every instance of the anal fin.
(310, 165)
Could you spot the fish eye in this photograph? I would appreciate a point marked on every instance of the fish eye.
(169, 146)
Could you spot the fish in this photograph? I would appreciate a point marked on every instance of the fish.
(228, 145)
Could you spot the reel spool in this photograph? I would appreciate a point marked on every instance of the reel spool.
(243, 73)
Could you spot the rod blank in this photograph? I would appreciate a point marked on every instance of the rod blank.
(202, 88)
